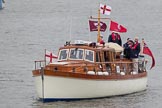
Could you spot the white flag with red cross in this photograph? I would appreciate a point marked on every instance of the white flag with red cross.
(105, 9)
(50, 56)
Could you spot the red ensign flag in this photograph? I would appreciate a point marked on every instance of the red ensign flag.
(147, 51)
(114, 26)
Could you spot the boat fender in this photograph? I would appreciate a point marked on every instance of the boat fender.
(118, 69)
(122, 73)
(91, 72)
(99, 73)
(105, 73)
(133, 73)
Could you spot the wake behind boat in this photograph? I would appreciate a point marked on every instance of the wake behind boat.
(85, 70)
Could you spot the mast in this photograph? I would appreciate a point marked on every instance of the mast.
(98, 36)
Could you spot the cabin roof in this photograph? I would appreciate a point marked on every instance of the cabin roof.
(96, 48)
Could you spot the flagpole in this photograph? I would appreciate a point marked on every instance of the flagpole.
(98, 37)
(45, 57)
(89, 31)
(42, 76)
(142, 44)
(108, 30)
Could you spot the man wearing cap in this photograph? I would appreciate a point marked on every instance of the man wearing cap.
(127, 49)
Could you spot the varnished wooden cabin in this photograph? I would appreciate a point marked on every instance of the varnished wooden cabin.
(91, 60)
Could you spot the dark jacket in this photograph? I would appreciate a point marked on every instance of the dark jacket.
(127, 50)
(135, 50)
(115, 38)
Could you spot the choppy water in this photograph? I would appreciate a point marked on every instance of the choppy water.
(27, 27)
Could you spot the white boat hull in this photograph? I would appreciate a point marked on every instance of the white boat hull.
(74, 88)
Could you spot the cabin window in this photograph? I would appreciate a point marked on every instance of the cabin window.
(97, 57)
(76, 53)
(89, 55)
(63, 54)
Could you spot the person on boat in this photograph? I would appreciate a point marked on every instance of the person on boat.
(115, 38)
(136, 48)
(135, 53)
(127, 48)
(101, 40)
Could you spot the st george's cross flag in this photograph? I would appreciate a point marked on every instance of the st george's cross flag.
(50, 56)
(114, 26)
(93, 25)
(105, 9)
(147, 51)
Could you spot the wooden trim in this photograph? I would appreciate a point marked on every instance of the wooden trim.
(88, 76)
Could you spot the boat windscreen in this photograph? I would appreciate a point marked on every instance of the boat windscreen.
(76, 53)
(63, 54)
(89, 55)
